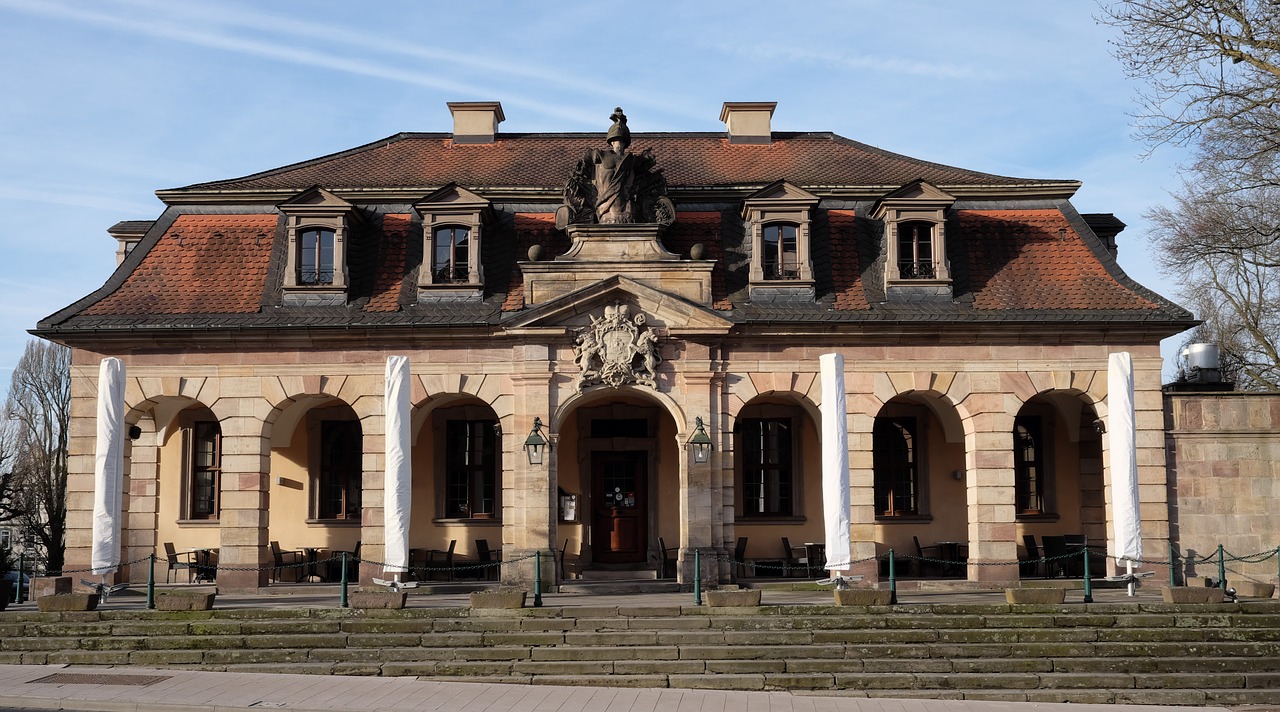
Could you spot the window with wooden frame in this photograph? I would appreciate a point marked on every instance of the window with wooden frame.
(315, 256)
(471, 469)
(766, 448)
(915, 250)
(1030, 477)
(781, 258)
(202, 442)
(338, 473)
(452, 261)
(896, 455)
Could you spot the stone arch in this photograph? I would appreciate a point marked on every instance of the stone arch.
(598, 395)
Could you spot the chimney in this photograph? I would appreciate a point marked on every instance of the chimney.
(1106, 226)
(748, 121)
(475, 121)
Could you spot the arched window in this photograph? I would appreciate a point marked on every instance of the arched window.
(1028, 465)
(915, 250)
(781, 258)
(315, 256)
(895, 451)
(202, 442)
(767, 482)
(451, 263)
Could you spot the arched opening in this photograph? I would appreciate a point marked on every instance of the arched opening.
(921, 503)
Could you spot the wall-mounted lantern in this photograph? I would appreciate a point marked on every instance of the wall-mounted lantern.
(535, 446)
(700, 445)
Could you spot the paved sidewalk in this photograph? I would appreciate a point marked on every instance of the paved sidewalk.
(129, 689)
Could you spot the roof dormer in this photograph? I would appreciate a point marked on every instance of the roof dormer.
(778, 219)
(915, 229)
(453, 220)
(318, 227)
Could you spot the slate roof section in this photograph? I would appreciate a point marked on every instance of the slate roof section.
(391, 273)
(202, 264)
(427, 160)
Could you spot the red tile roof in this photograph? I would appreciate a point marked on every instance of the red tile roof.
(1034, 259)
(389, 276)
(412, 160)
(691, 228)
(846, 274)
(203, 264)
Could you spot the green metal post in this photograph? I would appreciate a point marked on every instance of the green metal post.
(1088, 579)
(342, 598)
(697, 578)
(17, 594)
(893, 580)
(1222, 570)
(1173, 566)
(537, 579)
(151, 581)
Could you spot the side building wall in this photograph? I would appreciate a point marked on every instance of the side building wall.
(1224, 481)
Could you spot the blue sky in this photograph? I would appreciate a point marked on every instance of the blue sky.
(106, 101)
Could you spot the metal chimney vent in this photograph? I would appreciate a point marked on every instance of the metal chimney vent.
(1202, 363)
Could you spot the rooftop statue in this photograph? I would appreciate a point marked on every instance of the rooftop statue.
(613, 186)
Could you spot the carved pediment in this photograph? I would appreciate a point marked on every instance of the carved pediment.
(670, 313)
(917, 194)
(452, 196)
(315, 200)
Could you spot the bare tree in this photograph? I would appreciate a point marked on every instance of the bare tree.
(1222, 243)
(34, 489)
(1212, 74)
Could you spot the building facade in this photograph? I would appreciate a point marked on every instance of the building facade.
(621, 297)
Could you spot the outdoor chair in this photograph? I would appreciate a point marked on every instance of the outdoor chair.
(570, 564)
(1030, 566)
(487, 559)
(177, 561)
(1076, 544)
(333, 569)
(286, 560)
(1055, 551)
(933, 551)
(441, 562)
(795, 558)
(667, 560)
(742, 568)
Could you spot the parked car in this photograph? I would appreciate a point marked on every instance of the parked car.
(8, 580)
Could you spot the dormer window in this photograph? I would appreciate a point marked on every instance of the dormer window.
(778, 219)
(318, 224)
(315, 258)
(915, 250)
(452, 256)
(453, 220)
(915, 241)
(781, 252)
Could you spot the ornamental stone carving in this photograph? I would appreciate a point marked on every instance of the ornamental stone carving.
(613, 186)
(616, 349)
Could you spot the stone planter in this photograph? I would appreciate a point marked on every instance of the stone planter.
(497, 599)
(377, 599)
(50, 586)
(862, 597)
(1191, 594)
(68, 602)
(185, 601)
(733, 597)
(1253, 589)
(1040, 596)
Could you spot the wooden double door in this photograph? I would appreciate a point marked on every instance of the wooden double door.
(619, 507)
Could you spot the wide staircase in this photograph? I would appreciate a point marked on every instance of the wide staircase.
(1146, 653)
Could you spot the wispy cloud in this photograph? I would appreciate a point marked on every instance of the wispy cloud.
(195, 33)
(844, 60)
(77, 199)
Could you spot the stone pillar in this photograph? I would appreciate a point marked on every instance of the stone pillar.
(700, 499)
(528, 491)
(373, 477)
(863, 406)
(990, 483)
(244, 516)
(141, 509)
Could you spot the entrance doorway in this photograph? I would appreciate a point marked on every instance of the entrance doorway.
(619, 507)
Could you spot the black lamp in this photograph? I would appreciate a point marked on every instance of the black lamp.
(535, 446)
(700, 445)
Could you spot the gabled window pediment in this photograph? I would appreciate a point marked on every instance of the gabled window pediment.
(318, 224)
(453, 220)
(778, 219)
(915, 232)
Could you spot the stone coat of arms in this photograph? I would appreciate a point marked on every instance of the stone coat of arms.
(616, 349)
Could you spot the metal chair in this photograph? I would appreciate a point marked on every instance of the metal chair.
(486, 558)
(445, 557)
(667, 560)
(177, 561)
(1056, 552)
(1030, 566)
(921, 566)
(741, 566)
(286, 559)
(570, 564)
(792, 562)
